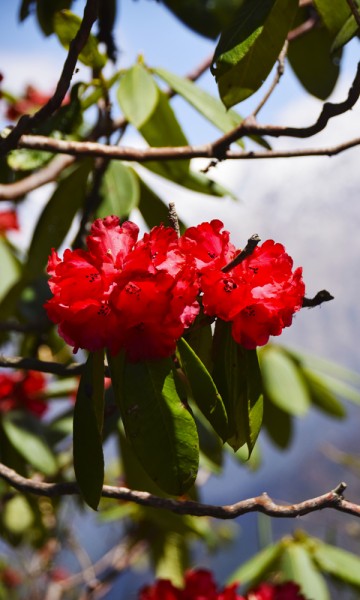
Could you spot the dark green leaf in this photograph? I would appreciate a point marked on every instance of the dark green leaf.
(203, 389)
(237, 377)
(256, 568)
(153, 210)
(120, 191)
(248, 50)
(278, 424)
(283, 381)
(88, 425)
(106, 23)
(46, 11)
(334, 14)
(297, 565)
(346, 33)
(200, 338)
(206, 18)
(340, 563)
(157, 423)
(56, 218)
(25, 8)
(26, 434)
(310, 57)
(66, 26)
(137, 95)
(322, 396)
(10, 269)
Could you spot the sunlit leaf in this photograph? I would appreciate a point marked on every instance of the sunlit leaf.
(10, 268)
(322, 396)
(88, 425)
(120, 191)
(17, 515)
(28, 160)
(66, 26)
(249, 48)
(157, 423)
(334, 14)
(256, 568)
(339, 563)
(137, 95)
(297, 565)
(346, 33)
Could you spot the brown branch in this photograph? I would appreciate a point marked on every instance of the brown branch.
(15, 191)
(329, 110)
(306, 26)
(263, 503)
(34, 364)
(355, 11)
(28, 123)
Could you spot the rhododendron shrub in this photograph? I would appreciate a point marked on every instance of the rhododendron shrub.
(135, 298)
(23, 391)
(200, 585)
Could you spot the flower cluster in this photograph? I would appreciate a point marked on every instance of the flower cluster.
(200, 585)
(140, 295)
(19, 391)
(8, 221)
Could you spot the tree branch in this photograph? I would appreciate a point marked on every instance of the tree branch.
(263, 503)
(28, 123)
(355, 11)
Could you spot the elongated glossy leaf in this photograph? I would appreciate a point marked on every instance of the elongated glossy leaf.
(346, 33)
(248, 50)
(283, 381)
(256, 568)
(334, 14)
(120, 191)
(137, 95)
(157, 423)
(310, 58)
(26, 434)
(153, 210)
(339, 563)
(10, 269)
(203, 389)
(322, 396)
(297, 565)
(206, 18)
(88, 425)
(326, 366)
(278, 424)
(66, 26)
(237, 376)
(56, 218)
(341, 389)
(45, 12)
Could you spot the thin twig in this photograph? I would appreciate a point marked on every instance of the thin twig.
(319, 298)
(29, 122)
(247, 251)
(263, 503)
(279, 73)
(34, 364)
(355, 11)
(305, 27)
(173, 218)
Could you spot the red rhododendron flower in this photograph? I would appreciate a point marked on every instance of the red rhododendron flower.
(30, 102)
(121, 293)
(281, 591)
(19, 392)
(8, 220)
(259, 295)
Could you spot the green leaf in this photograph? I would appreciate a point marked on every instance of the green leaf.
(88, 425)
(346, 33)
(326, 366)
(120, 191)
(157, 423)
(322, 396)
(10, 269)
(170, 554)
(249, 48)
(137, 95)
(203, 389)
(297, 565)
(278, 424)
(45, 12)
(56, 218)
(28, 160)
(310, 58)
(237, 376)
(66, 26)
(25, 8)
(206, 18)
(17, 515)
(334, 14)
(256, 568)
(283, 381)
(153, 210)
(339, 563)
(26, 434)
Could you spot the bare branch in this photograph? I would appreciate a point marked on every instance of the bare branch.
(247, 251)
(319, 298)
(279, 73)
(34, 364)
(27, 122)
(263, 503)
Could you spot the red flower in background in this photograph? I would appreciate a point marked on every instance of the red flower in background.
(20, 391)
(200, 585)
(122, 294)
(259, 295)
(8, 221)
(29, 103)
